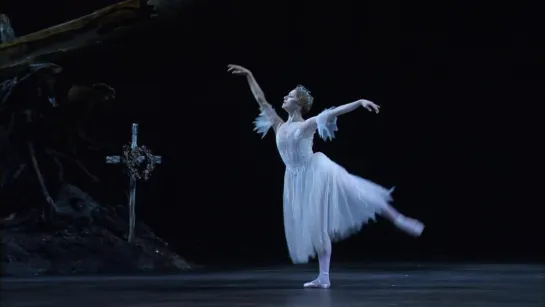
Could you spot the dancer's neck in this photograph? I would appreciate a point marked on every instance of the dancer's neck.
(295, 117)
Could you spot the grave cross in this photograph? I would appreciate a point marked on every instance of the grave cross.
(135, 159)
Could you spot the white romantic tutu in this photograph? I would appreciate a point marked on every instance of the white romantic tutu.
(323, 203)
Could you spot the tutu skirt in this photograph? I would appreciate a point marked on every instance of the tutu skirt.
(323, 203)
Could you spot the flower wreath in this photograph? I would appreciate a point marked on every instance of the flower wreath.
(139, 161)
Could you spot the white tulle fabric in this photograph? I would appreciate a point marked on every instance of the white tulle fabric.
(323, 203)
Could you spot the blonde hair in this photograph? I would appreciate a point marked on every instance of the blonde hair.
(304, 97)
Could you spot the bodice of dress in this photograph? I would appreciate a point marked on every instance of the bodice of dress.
(294, 142)
(294, 145)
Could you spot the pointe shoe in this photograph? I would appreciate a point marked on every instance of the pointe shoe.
(316, 284)
(411, 226)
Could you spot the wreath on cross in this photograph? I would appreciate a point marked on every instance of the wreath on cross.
(138, 161)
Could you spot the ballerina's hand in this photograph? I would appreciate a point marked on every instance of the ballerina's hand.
(238, 70)
(370, 106)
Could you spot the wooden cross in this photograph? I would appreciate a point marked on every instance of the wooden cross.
(132, 190)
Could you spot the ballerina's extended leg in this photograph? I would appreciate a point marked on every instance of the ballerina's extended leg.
(409, 225)
(324, 259)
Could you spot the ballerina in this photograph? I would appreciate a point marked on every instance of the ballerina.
(323, 203)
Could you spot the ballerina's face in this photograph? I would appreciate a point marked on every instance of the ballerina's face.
(291, 102)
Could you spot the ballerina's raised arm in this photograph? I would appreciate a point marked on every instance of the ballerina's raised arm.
(268, 117)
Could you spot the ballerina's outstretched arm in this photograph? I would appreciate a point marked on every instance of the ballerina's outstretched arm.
(268, 117)
(326, 122)
(349, 107)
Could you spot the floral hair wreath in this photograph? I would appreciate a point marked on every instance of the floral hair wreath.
(305, 96)
(305, 93)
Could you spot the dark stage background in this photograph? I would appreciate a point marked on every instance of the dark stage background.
(460, 133)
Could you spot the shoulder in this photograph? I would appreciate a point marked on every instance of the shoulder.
(309, 122)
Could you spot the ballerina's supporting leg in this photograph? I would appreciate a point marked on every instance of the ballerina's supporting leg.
(409, 225)
(324, 258)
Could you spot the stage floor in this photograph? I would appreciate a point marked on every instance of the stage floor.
(352, 285)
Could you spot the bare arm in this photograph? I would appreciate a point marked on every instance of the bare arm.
(259, 96)
(345, 108)
(310, 124)
(257, 91)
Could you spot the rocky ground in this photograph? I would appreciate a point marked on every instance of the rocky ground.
(83, 237)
